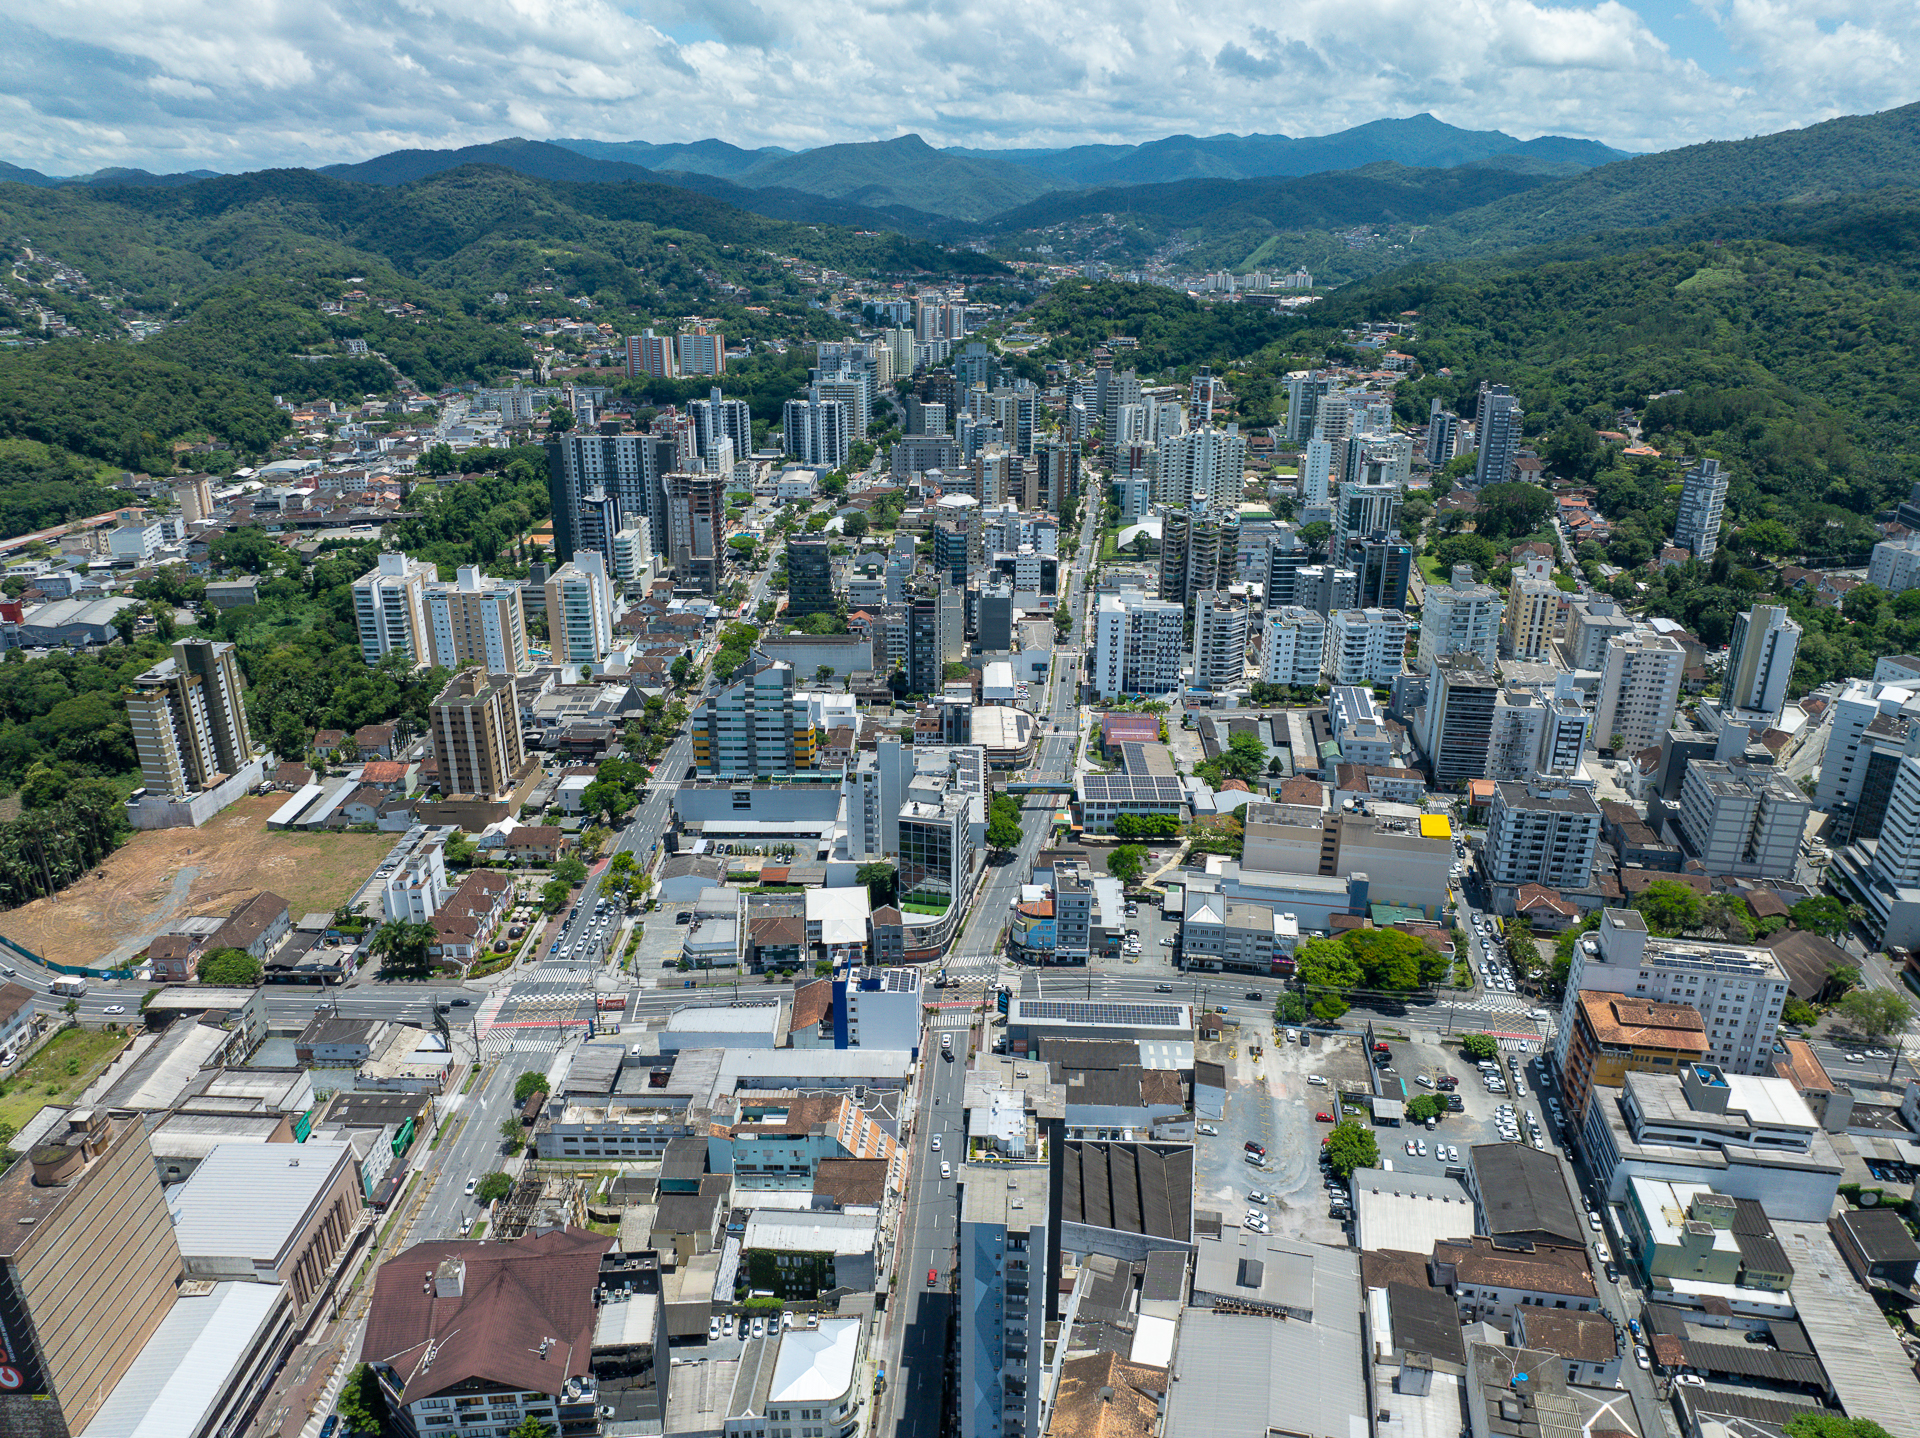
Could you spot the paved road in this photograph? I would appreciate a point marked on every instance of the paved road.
(929, 1229)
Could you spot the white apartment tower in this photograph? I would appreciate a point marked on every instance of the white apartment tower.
(580, 610)
(1293, 646)
(1703, 499)
(1220, 633)
(1742, 821)
(1205, 466)
(1137, 643)
(1737, 989)
(477, 620)
(389, 607)
(1760, 662)
(1541, 834)
(1639, 685)
(1365, 646)
(817, 430)
(1459, 618)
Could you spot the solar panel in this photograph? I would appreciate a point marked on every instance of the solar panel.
(1084, 1012)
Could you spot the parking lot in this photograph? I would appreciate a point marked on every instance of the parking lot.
(1477, 1121)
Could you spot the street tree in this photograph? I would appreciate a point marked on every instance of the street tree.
(402, 949)
(1479, 1047)
(494, 1187)
(529, 1084)
(1126, 862)
(1875, 1014)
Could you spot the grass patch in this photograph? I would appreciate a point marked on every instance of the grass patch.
(493, 964)
(479, 1229)
(1432, 570)
(71, 1060)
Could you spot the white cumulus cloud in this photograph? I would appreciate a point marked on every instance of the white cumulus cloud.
(176, 84)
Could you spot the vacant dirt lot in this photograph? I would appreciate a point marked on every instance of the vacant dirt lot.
(164, 874)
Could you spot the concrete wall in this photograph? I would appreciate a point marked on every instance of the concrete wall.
(162, 813)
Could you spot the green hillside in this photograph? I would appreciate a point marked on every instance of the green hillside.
(1794, 167)
(907, 171)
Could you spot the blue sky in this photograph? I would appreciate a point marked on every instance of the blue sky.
(185, 84)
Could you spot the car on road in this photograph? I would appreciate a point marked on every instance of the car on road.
(1593, 1220)
(1633, 1327)
(114, 1009)
(933, 1278)
(1640, 1357)
(1323, 1117)
(1856, 1058)
(1600, 1247)
(935, 1144)
(1690, 1380)
(326, 1428)
(1254, 995)
(1163, 988)
(946, 1169)
(472, 1184)
(1209, 1130)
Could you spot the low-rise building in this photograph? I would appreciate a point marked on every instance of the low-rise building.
(1615, 1035)
(803, 1255)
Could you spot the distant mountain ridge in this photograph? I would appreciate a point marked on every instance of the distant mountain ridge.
(111, 176)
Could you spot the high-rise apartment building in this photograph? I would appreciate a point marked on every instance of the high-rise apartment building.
(629, 467)
(1459, 618)
(476, 620)
(1365, 646)
(1703, 499)
(1316, 480)
(1203, 467)
(936, 632)
(1137, 643)
(1002, 1297)
(1537, 736)
(1199, 550)
(1361, 509)
(1305, 389)
(1533, 605)
(580, 611)
(1057, 469)
(1760, 663)
(188, 720)
(817, 430)
(717, 418)
(89, 1270)
(700, 353)
(1895, 566)
(754, 726)
(1220, 632)
(1541, 833)
(476, 736)
(1497, 423)
(1443, 435)
(696, 507)
(1738, 990)
(1462, 696)
(809, 578)
(1324, 588)
(389, 608)
(1383, 567)
(1639, 686)
(650, 356)
(1742, 821)
(1293, 646)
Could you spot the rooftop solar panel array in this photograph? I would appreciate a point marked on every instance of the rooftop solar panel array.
(1068, 1011)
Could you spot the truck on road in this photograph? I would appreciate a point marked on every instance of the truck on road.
(68, 986)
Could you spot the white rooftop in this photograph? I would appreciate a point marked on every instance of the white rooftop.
(841, 913)
(815, 1363)
(819, 1232)
(725, 1018)
(1775, 1102)
(245, 1198)
(188, 1363)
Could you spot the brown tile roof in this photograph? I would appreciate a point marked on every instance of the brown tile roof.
(248, 922)
(851, 1181)
(887, 916)
(1381, 1267)
(1547, 1269)
(1624, 1022)
(1536, 898)
(1635, 881)
(1806, 957)
(382, 771)
(1301, 790)
(15, 997)
(167, 946)
(1161, 1086)
(778, 931)
(1583, 1337)
(512, 1297)
(1802, 1067)
(1765, 904)
(1102, 1395)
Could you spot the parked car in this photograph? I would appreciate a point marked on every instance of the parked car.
(1317, 1080)
(1209, 1130)
(1323, 1117)
(1251, 1147)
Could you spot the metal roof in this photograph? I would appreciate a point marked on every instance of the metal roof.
(1129, 1187)
(816, 1363)
(248, 1200)
(1239, 1374)
(188, 1364)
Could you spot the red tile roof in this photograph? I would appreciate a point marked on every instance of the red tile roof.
(512, 1297)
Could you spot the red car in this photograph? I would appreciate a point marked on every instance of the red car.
(933, 1278)
(1323, 1118)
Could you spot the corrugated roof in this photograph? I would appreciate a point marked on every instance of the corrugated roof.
(247, 1200)
(188, 1363)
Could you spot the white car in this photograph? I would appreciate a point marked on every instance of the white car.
(472, 1184)
(114, 1009)
(1453, 1154)
(934, 1143)
(1604, 1253)
(713, 1329)
(1409, 1148)
(946, 1169)
(1640, 1357)
(1420, 1145)
(1209, 1129)
(1423, 1081)
(1317, 1080)
(1254, 1195)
